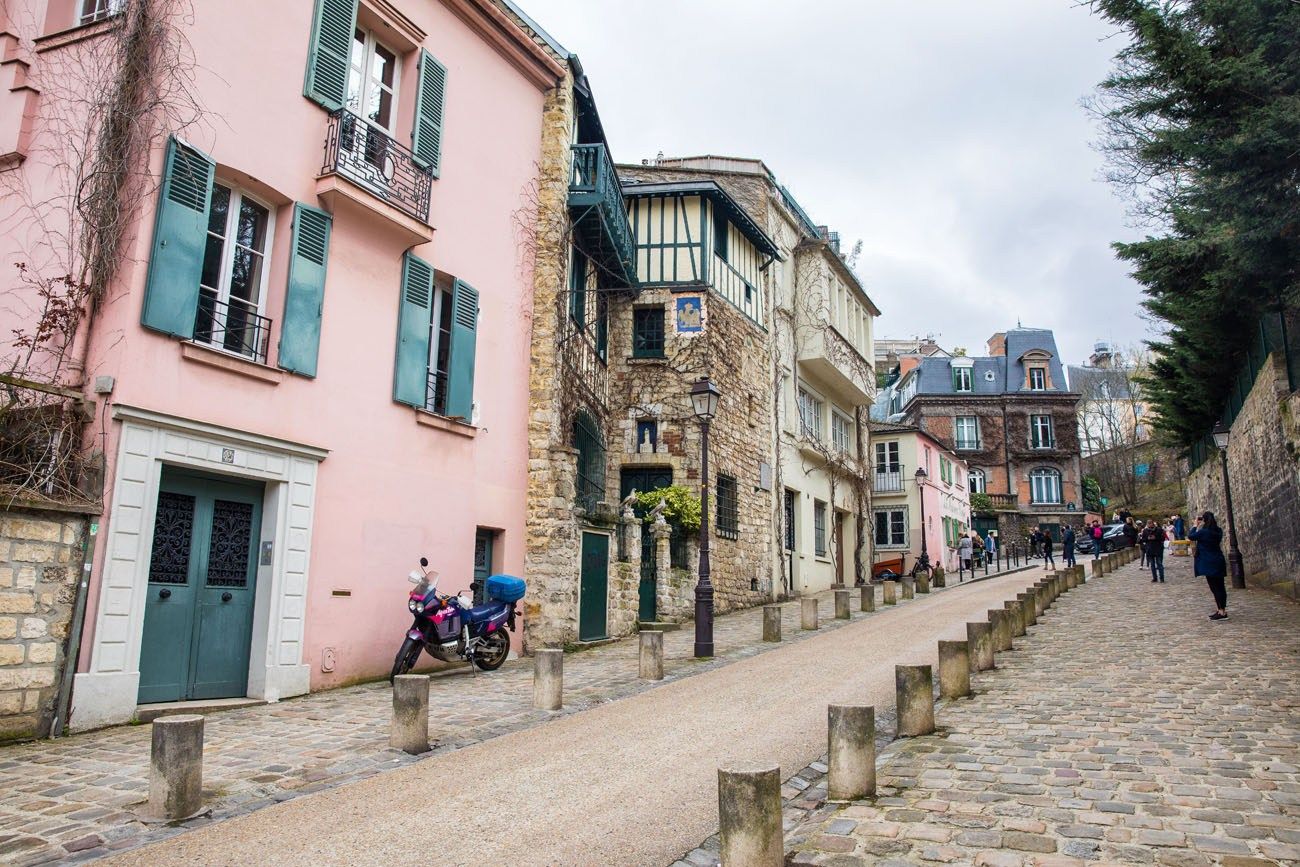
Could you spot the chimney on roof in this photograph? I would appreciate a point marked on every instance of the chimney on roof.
(998, 344)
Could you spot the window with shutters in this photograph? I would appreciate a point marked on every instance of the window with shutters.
(966, 429)
(728, 507)
(1040, 432)
(372, 80)
(961, 380)
(232, 283)
(439, 345)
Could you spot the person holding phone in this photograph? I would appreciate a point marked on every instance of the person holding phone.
(1210, 561)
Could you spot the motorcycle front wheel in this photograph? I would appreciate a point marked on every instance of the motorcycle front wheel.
(406, 658)
(492, 651)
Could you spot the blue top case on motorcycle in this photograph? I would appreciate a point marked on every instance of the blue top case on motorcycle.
(505, 588)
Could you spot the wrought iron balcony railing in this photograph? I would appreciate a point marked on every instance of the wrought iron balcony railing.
(595, 187)
(235, 327)
(367, 156)
(889, 479)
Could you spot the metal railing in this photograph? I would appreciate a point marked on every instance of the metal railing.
(233, 326)
(435, 399)
(367, 156)
(595, 182)
(889, 481)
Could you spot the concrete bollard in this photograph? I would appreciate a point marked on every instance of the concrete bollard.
(851, 747)
(1027, 613)
(1015, 619)
(914, 685)
(909, 587)
(922, 583)
(1096, 569)
(868, 602)
(410, 730)
(749, 815)
(176, 768)
(548, 679)
(808, 612)
(842, 605)
(954, 669)
(1001, 629)
(1042, 601)
(652, 655)
(1078, 574)
(771, 622)
(979, 640)
(890, 593)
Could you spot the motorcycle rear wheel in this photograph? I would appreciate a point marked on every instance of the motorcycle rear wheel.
(492, 651)
(406, 658)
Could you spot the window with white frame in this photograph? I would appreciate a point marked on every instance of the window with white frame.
(1040, 432)
(372, 80)
(841, 432)
(891, 528)
(97, 10)
(887, 457)
(961, 379)
(440, 343)
(811, 409)
(232, 284)
(1038, 378)
(976, 482)
(1045, 486)
(967, 432)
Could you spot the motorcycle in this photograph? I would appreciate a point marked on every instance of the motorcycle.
(450, 628)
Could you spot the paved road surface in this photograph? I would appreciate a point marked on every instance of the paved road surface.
(629, 782)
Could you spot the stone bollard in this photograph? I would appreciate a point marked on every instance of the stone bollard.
(1041, 599)
(915, 687)
(842, 605)
(868, 602)
(1096, 569)
(909, 587)
(1027, 610)
(922, 583)
(979, 639)
(1001, 629)
(749, 815)
(1079, 576)
(771, 622)
(652, 655)
(890, 593)
(954, 669)
(548, 679)
(808, 612)
(410, 729)
(851, 747)
(1015, 619)
(176, 768)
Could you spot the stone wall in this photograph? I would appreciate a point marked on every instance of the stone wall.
(1264, 466)
(41, 556)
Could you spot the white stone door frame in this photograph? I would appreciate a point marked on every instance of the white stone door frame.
(148, 441)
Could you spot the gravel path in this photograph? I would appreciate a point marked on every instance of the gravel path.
(628, 782)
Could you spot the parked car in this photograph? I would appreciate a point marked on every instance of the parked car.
(1112, 539)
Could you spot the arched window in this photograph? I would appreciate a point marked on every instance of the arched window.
(590, 483)
(1045, 486)
(975, 481)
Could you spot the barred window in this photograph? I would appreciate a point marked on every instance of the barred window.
(728, 507)
(819, 528)
(648, 332)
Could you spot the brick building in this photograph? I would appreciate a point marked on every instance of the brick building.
(1011, 416)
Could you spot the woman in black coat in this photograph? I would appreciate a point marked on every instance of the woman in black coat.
(1210, 561)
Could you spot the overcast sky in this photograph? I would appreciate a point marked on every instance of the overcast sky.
(947, 135)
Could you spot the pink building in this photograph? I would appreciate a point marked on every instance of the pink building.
(311, 365)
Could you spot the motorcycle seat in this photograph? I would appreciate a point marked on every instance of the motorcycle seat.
(484, 612)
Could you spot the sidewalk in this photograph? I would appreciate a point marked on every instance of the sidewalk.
(1126, 728)
(74, 798)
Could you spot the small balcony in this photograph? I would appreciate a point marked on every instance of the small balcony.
(599, 214)
(837, 366)
(1004, 502)
(888, 479)
(235, 327)
(370, 159)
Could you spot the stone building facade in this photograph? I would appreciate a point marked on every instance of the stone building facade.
(1264, 465)
(1011, 417)
(41, 557)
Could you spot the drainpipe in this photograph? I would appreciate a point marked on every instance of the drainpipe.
(59, 725)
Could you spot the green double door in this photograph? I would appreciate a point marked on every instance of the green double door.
(198, 617)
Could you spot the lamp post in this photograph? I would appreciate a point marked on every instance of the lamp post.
(704, 401)
(1235, 569)
(922, 562)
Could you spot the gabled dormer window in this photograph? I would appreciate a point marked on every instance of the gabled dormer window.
(1037, 379)
(961, 380)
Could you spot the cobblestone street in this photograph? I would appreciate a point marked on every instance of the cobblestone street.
(74, 798)
(1126, 728)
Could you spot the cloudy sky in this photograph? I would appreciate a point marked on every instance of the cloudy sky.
(947, 135)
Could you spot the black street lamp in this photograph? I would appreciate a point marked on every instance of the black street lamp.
(704, 400)
(922, 562)
(1235, 568)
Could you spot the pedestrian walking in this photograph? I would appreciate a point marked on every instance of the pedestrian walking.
(1045, 542)
(964, 549)
(1034, 543)
(1130, 532)
(1097, 533)
(1153, 549)
(991, 545)
(1210, 561)
(1067, 546)
(1180, 529)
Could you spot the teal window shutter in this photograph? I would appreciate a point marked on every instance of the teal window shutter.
(411, 371)
(332, 28)
(464, 333)
(305, 296)
(426, 132)
(180, 231)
